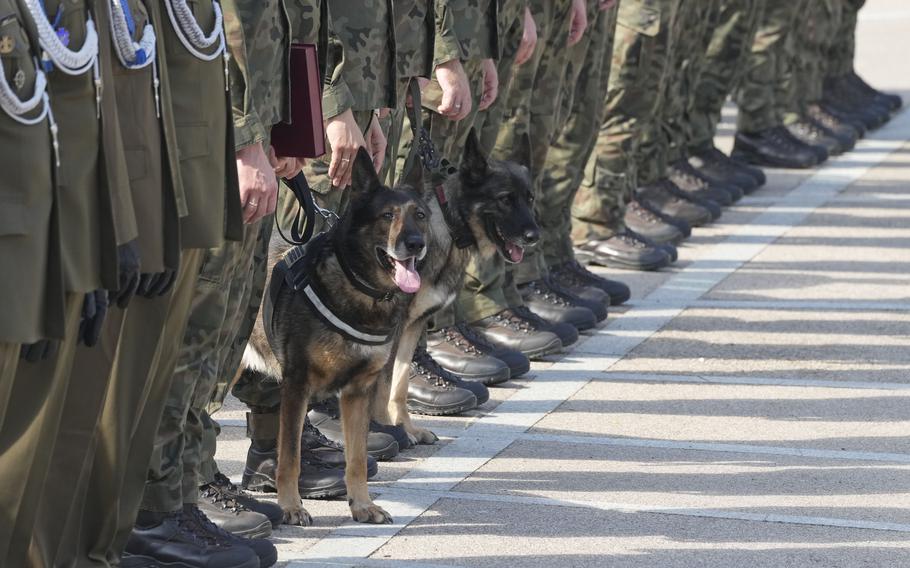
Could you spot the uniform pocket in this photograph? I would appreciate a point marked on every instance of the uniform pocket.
(13, 216)
(16, 55)
(137, 163)
(193, 140)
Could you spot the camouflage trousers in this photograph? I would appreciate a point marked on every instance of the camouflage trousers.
(638, 72)
(816, 30)
(729, 48)
(533, 107)
(767, 84)
(227, 297)
(488, 286)
(581, 113)
(842, 48)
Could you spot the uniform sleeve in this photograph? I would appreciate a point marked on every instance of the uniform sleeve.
(336, 95)
(248, 127)
(447, 47)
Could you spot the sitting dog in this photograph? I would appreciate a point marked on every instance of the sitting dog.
(485, 209)
(332, 320)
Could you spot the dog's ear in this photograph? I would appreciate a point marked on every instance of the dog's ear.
(363, 176)
(414, 176)
(521, 151)
(474, 165)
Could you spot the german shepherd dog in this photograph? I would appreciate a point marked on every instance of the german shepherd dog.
(487, 210)
(365, 277)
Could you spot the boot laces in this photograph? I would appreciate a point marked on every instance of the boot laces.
(205, 525)
(427, 367)
(454, 336)
(189, 527)
(317, 435)
(643, 213)
(548, 294)
(475, 338)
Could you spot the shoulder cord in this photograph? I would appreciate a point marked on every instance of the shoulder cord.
(68, 61)
(16, 108)
(134, 55)
(194, 39)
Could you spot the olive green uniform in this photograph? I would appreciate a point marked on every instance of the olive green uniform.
(94, 193)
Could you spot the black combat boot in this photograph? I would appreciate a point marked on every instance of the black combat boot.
(664, 197)
(619, 293)
(645, 222)
(891, 101)
(232, 509)
(846, 135)
(808, 132)
(773, 147)
(581, 287)
(688, 179)
(322, 450)
(717, 166)
(459, 355)
(176, 539)
(383, 442)
(509, 330)
(516, 361)
(434, 391)
(264, 550)
(553, 306)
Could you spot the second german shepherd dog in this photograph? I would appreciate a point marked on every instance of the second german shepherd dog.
(338, 330)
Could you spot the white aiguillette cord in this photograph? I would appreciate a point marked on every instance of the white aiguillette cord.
(17, 108)
(193, 38)
(135, 55)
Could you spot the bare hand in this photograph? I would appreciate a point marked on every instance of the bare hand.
(579, 21)
(456, 91)
(258, 184)
(528, 39)
(285, 167)
(345, 138)
(376, 143)
(490, 84)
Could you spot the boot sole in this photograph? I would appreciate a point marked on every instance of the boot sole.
(500, 377)
(264, 484)
(420, 408)
(262, 531)
(597, 260)
(759, 160)
(545, 351)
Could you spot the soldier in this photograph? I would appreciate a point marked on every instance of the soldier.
(100, 216)
(613, 198)
(734, 29)
(761, 137)
(582, 105)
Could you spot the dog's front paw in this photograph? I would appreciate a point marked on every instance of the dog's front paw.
(422, 436)
(370, 513)
(297, 516)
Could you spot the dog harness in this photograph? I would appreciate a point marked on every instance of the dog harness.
(295, 271)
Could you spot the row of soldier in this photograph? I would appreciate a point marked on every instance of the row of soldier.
(140, 186)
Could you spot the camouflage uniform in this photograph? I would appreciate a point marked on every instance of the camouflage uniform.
(582, 109)
(228, 274)
(815, 31)
(731, 40)
(767, 82)
(638, 74)
(487, 291)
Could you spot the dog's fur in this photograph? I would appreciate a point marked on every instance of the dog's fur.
(493, 198)
(312, 358)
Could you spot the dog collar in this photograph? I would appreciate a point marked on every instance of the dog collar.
(461, 233)
(358, 282)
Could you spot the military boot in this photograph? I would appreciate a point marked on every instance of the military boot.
(327, 452)
(687, 178)
(665, 197)
(530, 336)
(856, 99)
(834, 102)
(457, 354)
(807, 131)
(226, 510)
(773, 147)
(891, 101)
(383, 442)
(619, 293)
(717, 166)
(516, 361)
(264, 550)
(645, 222)
(821, 152)
(577, 285)
(176, 539)
(552, 306)
(624, 250)
(132, 561)
(684, 227)
(846, 135)
(433, 391)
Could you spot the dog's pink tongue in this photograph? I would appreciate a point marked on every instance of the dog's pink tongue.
(516, 253)
(406, 277)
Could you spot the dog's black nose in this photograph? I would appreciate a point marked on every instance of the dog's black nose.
(531, 236)
(414, 244)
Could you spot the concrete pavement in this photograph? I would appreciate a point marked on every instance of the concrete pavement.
(748, 407)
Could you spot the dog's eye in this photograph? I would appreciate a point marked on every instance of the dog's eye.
(388, 216)
(420, 215)
(505, 199)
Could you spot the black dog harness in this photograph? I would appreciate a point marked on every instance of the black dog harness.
(295, 271)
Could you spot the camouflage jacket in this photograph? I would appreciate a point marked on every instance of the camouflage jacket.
(509, 11)
(258, 37)
(414, 35)
(360, 59)
(466, 29)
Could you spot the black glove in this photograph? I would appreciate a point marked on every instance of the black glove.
(128, 264)
(44, 349)
(158, 284)
(94, 309)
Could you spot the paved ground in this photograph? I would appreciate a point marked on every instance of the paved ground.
(749, 407)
